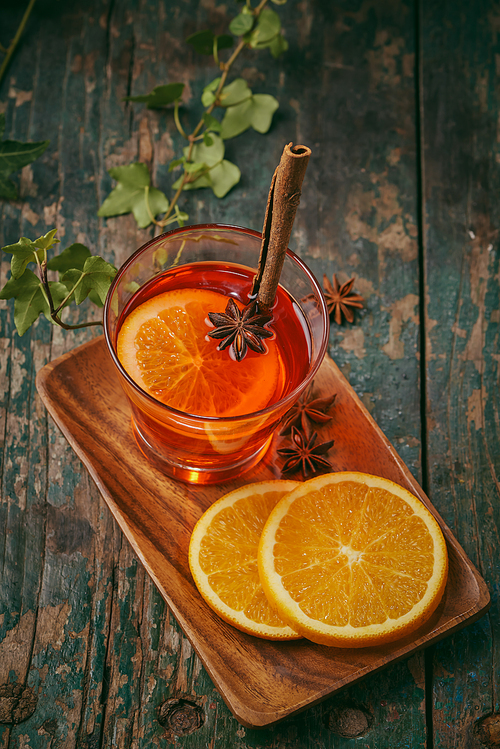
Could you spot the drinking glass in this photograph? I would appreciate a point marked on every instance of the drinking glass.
(202, 449)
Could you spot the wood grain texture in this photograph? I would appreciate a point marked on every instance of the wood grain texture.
(80, 622)
(462, 181)
(262, 682)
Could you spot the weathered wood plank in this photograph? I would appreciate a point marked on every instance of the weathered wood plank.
(106, 654)
(460, 156)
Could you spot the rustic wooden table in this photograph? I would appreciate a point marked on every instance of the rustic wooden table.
(399, 103)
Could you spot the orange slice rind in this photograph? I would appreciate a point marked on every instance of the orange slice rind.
(163, 345)
(223, 559)
(352, 560)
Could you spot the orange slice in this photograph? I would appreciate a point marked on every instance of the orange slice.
(164, 346)
(352, 560)
(223, 558)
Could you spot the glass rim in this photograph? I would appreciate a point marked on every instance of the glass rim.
(290, 398)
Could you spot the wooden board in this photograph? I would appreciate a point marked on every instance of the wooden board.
(261, 682)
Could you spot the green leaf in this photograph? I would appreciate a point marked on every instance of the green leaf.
(192, 167)
(256, 112)
(96, 275)
(278, 45)
(208, 95)
(203, 181)
(211, 122)
(207, 140)
(27, 251)
(223, 177)
(47, 240)
(8, 189)
(279, 2)
(209, 155)
(131, 193)
(23, 252)
(236, 92)
(30, 299)
(268, 26)
(176, 162)
(243, 23)
(263, 108)
(203, 41)
(73, 256)
(160, 96)
(13, 156)
(237, 119)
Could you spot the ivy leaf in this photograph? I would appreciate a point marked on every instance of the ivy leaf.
(211, 122)
(176, 162)
(7, 188)
(243, 22)
(221, 178)
(129, 196)
(203, 41)
(30, 300)
(47, 240)
(208, 155)
(236, 92)
(263, 108)
(73, 256)
(208, 95)
(256, 112)
(222, 174)
(278, 45)
(27, 251)
(268, 26)
(160, 96)
(224, 177)
(13, 156)
(96, 275)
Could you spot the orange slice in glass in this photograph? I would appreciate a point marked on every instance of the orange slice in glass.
(163, 345)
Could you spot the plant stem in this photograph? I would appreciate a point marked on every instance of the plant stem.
(225, 67)
(54, 313)
(13, 44)
(177, 120)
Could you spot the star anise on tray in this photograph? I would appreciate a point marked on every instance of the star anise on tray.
(340, 299)
(305, 454)
(240, 329)
(308, 409)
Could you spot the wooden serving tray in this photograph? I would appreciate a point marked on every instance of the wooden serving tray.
(261, 681)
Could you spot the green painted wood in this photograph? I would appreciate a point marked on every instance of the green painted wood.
(460, 85)
(80, 622)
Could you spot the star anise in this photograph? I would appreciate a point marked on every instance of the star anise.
(306, 409)
(340, 299)
(305, 454)
(240, 329)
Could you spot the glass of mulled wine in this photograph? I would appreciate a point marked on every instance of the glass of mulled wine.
(198, 413)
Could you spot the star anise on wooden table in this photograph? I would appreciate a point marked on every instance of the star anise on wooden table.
(305, 454)
(240, 329)
(340, 299)
(307, 409)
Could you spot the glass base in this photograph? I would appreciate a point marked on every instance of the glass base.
(193, 475)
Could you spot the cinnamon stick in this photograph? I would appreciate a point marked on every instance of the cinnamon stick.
(282, 204)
